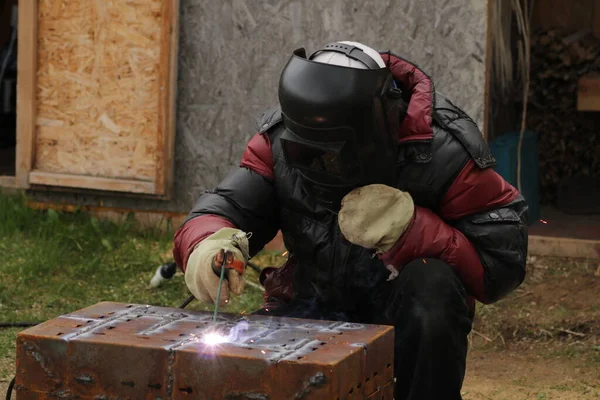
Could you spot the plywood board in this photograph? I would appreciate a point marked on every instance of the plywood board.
(89, 182)
(564, 247)
(104, 93)
(588, 93)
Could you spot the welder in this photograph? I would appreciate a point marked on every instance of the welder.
(388, 204)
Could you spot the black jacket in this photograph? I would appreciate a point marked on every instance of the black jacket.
(466, 214)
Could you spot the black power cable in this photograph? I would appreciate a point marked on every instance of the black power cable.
(254, 267)
(6, 325)
(187, 301)
(11, 386)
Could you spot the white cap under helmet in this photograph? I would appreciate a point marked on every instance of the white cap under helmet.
(349, 54)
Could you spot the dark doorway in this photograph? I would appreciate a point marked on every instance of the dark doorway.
(8, 86)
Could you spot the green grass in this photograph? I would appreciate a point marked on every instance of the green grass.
(54, 263)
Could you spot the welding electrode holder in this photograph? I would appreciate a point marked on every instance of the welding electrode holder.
(237, 265)
(222, 271)
(217, 269)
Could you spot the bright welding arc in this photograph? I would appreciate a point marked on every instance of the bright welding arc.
(214, 339)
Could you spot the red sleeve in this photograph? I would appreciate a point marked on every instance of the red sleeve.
(258, 156)
(474, 190)
(192, 233)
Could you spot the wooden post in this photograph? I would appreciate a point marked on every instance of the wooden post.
(596, 19)
(168, 98)
(26, 89)
(488, 70)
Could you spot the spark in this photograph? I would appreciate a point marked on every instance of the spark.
(214, 339)
(424, 261)
(285, 253)
(543, 221)
(264, 352)
(266, 309)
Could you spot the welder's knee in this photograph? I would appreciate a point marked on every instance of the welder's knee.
(432, 283)
(427, 290)
(431, 318)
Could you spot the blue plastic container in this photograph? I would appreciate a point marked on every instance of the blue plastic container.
(505, 149)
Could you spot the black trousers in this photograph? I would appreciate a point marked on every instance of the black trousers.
(427, 306)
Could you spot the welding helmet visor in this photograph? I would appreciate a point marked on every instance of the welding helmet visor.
(328, 162)
(341, 125)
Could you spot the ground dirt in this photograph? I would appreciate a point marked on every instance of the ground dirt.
(521, 375)
(543, 341)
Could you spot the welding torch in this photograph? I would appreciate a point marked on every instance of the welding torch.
(218, 271)
(228, 258)
(224, 261)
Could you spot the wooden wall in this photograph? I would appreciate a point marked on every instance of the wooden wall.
(573, 15)
(232, 51)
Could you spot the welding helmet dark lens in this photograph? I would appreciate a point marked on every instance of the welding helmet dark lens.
(325, 163)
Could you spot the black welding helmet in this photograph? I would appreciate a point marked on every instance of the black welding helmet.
(341, 122)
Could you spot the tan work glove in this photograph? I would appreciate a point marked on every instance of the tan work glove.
(375, 216)
(205, 261)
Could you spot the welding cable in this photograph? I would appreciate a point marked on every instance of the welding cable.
(254, 267)
(168, 270)
(11, 385)
(187, 301)
(6, 325)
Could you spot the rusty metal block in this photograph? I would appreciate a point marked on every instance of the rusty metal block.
(383, 393)
(130, 351)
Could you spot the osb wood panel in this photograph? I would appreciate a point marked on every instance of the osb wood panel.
(98, 88)
(232, 52)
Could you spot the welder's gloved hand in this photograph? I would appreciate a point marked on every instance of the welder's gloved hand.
(203, 266)
(375, 216)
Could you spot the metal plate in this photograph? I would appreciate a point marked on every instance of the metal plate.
(130, 351)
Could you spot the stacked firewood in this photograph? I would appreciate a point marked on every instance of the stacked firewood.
(569, 141)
